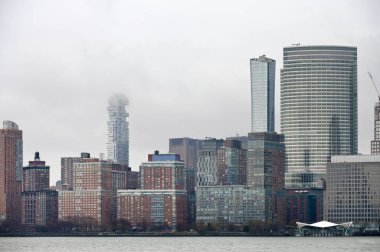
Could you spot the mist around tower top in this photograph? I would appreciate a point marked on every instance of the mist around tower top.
(118, 100)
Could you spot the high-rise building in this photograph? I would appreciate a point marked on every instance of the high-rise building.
(187, 148)
(266, 172)
(39, 204)
(153, 207)
(232, 164)
(162, 199)
(67, 165)
(207, 171)
(242, 139)
(118, 130)
(35, 175)
(162, 172)
(353, 189)
(375, 144)
(263, 72)
(318, 105)
(11, 150)
(93, 198)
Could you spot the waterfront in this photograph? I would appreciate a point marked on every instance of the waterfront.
(185, 244)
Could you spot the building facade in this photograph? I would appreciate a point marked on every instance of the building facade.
(266, 171)
(162, 199)
(228, 204)
(303, 205)
(263, 71)
(353, 189)
(318, 105)
(232, 164)
(93, 198)
(11, 151)
(375, 144)
(118, 130)
(162, 172)
(39, 204)
(153, 207)
(187, 148)
(67, 165)
(207, 172)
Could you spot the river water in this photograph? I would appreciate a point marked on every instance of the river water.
(184, 244)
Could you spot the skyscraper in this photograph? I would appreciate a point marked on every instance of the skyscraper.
(39, 204)
(266, 172)
(318, 105)
(375, 144)
(118, 131)
(232, 164)
(207, 173)
(263, 72)
(10, 172)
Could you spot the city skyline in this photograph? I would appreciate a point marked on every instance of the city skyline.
(192, 81)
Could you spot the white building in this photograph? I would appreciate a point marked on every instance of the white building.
(118, 130)
(318, 105)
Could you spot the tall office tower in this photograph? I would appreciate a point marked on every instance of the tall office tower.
(162, 172)
(118, 131)
(207, 168)
(39, 204)
(375, 144)
(232, 164)
(187, 148)
(10, 173)
(318, 105)
(353, 190)
(263, 72)
(67, 164)
(266, 172)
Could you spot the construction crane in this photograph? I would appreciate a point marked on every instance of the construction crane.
(377, 91)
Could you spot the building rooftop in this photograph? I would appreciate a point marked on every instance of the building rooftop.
(355, 159)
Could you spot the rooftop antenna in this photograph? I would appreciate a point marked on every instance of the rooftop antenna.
(377, 91)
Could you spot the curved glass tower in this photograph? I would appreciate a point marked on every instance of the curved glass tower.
(318, 105)
(118, 131)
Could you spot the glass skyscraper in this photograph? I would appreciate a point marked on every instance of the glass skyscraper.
(262, 94)
(118, 131)
(318, 105)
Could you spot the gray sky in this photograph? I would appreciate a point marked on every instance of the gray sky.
(184, 66)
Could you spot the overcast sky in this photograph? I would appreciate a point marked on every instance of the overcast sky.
(184, 65)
